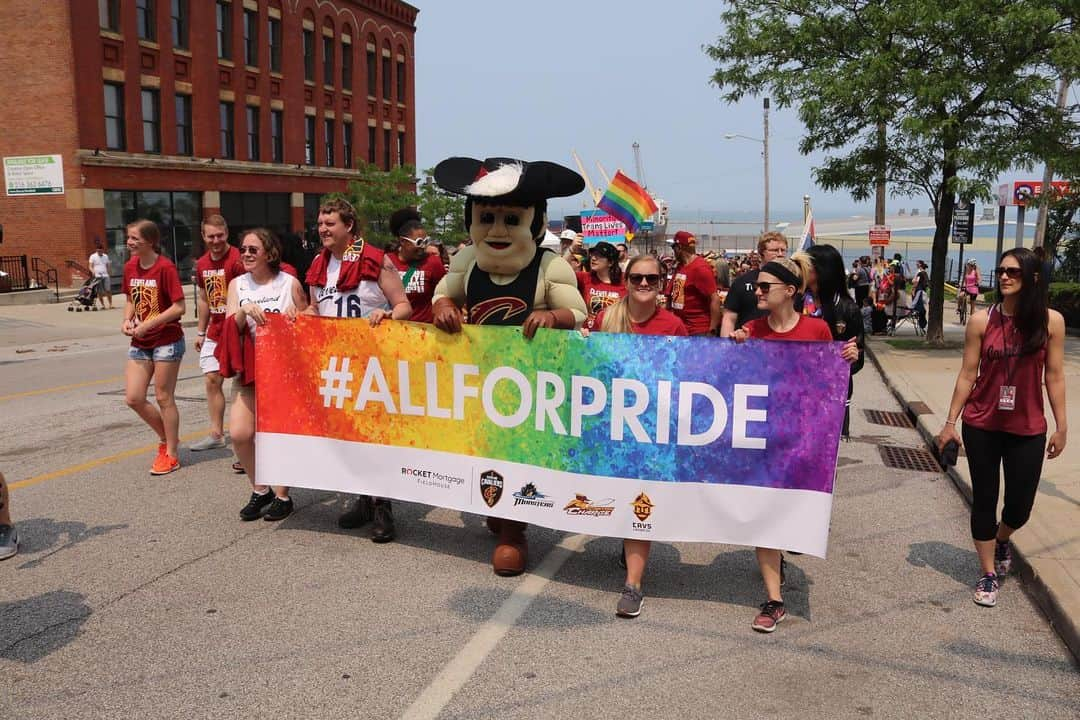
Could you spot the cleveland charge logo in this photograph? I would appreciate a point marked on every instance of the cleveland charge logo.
(529, 495)
(582, 505)
(643, 507)
(491, 487)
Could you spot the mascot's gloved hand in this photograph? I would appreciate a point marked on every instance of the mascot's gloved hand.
(560, 318)
(447, 316)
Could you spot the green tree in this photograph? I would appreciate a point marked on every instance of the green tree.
(376, 194)
(965, 88)
(443, 213)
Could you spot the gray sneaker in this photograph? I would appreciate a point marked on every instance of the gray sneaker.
(630, 602)
(207, 443)
(9, 541)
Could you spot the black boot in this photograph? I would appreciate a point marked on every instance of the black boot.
(358, 515)
(382, 531)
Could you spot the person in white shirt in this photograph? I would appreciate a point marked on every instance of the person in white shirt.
(99, 266)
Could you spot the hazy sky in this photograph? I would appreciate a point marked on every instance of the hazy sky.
(535, 80)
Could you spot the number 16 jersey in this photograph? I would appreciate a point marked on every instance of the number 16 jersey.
(355, 303)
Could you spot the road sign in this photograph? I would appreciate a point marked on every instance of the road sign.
(1025, 190)
(880, 235)
(963, 222)
(34, 175)
(647, 226)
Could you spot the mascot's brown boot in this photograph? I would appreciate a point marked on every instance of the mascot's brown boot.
(494, 524)
(512, 552)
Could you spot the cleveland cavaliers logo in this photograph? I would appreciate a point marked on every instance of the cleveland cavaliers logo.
(215, 292)
(491, 487)
(499, 311)
(354, 251)
(145, 300)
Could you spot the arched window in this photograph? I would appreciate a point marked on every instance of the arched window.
(372, 70)
(400, 74)
(387, 70)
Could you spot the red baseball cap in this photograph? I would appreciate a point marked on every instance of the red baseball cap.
(683, 238)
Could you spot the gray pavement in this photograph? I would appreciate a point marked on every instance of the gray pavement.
(143, 597)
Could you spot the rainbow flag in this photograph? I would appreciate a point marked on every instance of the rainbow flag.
(627, 201)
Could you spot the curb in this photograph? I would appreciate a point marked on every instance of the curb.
(1045, 596)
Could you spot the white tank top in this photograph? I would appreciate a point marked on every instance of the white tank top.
(275, 296)
(349, 304)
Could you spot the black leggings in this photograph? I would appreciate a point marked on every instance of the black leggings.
(1022, 458)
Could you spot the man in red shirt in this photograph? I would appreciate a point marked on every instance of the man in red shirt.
(691, 291)
(420, 270)
(213, 273)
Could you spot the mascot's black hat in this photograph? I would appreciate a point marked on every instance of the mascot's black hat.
(506, 180)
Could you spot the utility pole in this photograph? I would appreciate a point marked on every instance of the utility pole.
(879, 204)
(1048, 176)
(765, 153)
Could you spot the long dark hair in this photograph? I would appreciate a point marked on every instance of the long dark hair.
(831, 279)
(1031, 318)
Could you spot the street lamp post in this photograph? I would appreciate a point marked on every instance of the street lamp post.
(764, 153)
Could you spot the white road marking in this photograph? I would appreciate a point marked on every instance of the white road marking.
(457, 672)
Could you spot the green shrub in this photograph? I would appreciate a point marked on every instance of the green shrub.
(1065, 298)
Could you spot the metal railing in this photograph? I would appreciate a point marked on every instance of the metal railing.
(45, 275)
(16, 273)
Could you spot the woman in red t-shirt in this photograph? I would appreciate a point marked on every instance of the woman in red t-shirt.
(1011, 350)
(601, 286)
(420, 270)
(152, 311)
(637, 312)
(779, 281)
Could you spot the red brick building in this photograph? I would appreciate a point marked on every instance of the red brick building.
(179, 109)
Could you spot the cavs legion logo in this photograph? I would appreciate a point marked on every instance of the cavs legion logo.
(643, 507)
(491, 487)
(529, 495)
(582, 505)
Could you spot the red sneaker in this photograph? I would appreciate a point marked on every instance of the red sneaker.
(772, 612)
(164, 464)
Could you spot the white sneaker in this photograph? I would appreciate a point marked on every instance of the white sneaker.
(9, 541)
(207, 443)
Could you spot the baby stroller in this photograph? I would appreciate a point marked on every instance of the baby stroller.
(86, 298)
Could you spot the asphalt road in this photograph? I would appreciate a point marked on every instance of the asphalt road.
(143, 597)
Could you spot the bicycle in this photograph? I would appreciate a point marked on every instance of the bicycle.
(962, 306)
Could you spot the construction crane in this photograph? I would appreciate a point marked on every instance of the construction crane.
(593, 192)
(638, 167)
(603, 173)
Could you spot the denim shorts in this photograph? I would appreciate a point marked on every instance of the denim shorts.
(173, 352)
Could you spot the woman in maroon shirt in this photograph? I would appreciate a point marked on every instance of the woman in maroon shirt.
(1011, 350)
(152, 311)
(637, 312)
(601, 286)
(779, 282)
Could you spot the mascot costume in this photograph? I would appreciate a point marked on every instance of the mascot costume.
(505, 277)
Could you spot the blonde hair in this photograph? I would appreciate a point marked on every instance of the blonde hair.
(798, 265)
(617, 316)
(216, 221)
(771, 236)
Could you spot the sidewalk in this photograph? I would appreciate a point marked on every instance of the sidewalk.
(1047, 549)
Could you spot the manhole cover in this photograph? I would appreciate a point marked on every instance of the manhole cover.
(902, 458)
(891, 419)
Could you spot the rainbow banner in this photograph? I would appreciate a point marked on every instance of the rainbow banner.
(674, 439)
(627, 201)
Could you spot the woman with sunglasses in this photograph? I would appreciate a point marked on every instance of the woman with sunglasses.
(601, 286)
(420, 270)
(638, 312)
(1011, 350)
(152, 310)
(778, 283)
(262, 290)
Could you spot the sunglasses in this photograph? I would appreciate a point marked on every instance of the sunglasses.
(765, 287)
(249, 249)
(650, 279)
(1013, 273)
(418, 242)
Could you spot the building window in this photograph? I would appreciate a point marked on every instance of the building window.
(309, 140)
(184, 145)
(371, 145)
(224, 30)
(180, 24)
(371, 73)
(401, 82)
(109, 15)
(145, 19)
(328, 60)
(346, 144)
(178, 215)
(251, 37)
(386, 78)
(253, 132)
(346, 67)
(386, 149)
(309, 55)
(114, 116)
(273, 33)
(328, 128)
(228, 146)
(151, 120)
(401, 149)
(277, 147)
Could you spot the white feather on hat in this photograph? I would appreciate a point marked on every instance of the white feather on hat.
(497, 182)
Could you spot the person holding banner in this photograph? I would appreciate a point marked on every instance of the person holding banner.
(353, 279)
(1011, 350)
(152, 311)
(420, 270)
(602, 285)
(263, 289)
(741, 304)
(638, 312)
(779, 282)
(692, 290)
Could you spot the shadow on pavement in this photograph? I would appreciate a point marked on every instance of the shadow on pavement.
(961, 564)
(968, 650)
(35, 628)
(41, 534)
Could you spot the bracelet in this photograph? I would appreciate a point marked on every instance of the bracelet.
(202, 334)
(950, 422)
